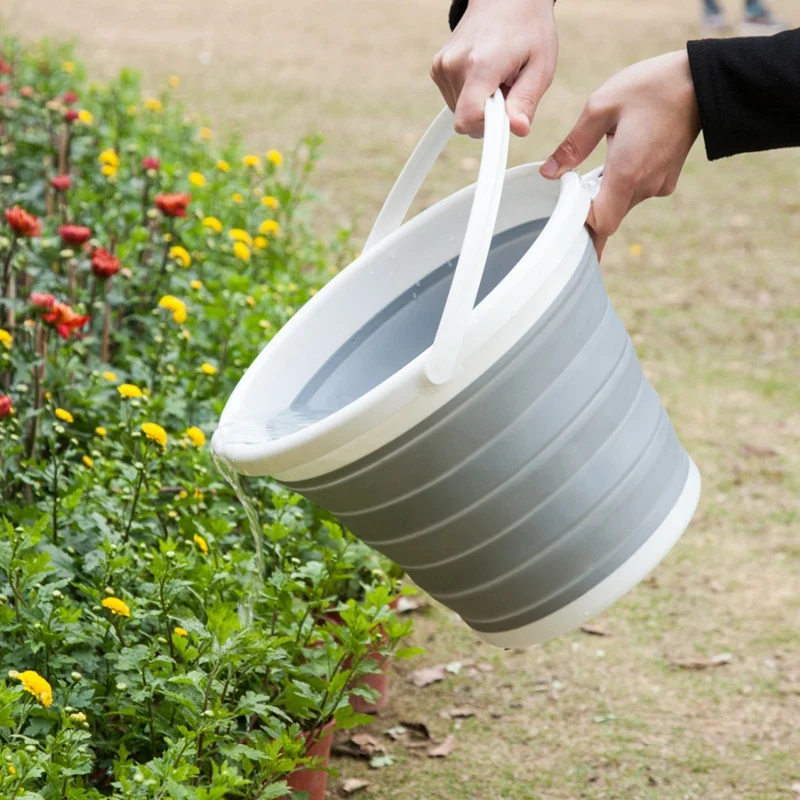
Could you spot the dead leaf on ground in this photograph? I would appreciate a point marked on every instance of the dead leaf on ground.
(419, 728)
(482, 666)
(718, 660)
(428, 675)
(594, 630)
(796, 788)
(368, 744)
(758, 451)
(348, 749)
(444, 749)
(352, 785)
(381, 761)
(417, 745)
(397, 733)
(459, 712)
(406, 604)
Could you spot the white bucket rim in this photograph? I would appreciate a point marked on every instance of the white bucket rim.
(406, 397)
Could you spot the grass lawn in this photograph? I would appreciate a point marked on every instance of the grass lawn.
(713, 304)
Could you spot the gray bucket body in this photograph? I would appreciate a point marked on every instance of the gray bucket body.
(532, 485)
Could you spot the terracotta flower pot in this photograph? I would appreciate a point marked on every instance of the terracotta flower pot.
(379, 682)
(314, 781)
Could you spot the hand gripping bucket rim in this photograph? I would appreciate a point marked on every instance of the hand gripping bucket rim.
(470, 340)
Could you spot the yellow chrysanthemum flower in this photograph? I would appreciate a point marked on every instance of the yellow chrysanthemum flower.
(174, 81)
(237, 197)
(86, 117)
(197, 179)
(181, 255)
(183, 494)
(201, 543)
(129, 390)
(269, 228)
(100, 431)
(223, 165)
(12, 770)
(213, 223)
(154, 431)
(239, 235)
(251, 161)
(6, 339)
(78, 716)
(116, 606)
(260, 242)
(208, 369)
(153, 104)
(196, 285)
(205, 133)
(176, 306)
(109, 157)
(34, 683)
(269, 201)
(196, 435)
(88, 461)
(275, 157)
(198, 495)
(178, 631)
(68, 67)
(110, 376)
(64, 415)
(241, 251)
(109, 171)
(251, 301)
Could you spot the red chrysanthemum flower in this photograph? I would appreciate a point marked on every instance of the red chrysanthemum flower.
(105, 264)
(75, 234)
(5, 405)
(65, 319)
(173, 205)
(70, 115)
(3, 88)
(61, 182)
(151, 162)
(23, 223)
(5, 67)
(43, 301)
(69, 98)
(26, 91)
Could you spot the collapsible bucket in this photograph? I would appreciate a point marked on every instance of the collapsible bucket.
(465, 399)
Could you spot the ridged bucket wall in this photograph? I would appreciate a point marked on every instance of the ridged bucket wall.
(535, 483)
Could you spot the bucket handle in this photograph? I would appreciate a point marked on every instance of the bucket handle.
(444, 351)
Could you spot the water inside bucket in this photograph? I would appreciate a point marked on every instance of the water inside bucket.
(394, 336)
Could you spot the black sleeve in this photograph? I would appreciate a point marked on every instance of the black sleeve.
(457, 9)
(748, 92)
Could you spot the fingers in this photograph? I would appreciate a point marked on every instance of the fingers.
(594, 123)
(524, 96)
(471, 103)
(615, 198)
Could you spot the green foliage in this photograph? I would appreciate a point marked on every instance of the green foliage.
(152, 649)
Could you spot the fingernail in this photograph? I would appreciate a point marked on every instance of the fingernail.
(521, 116)
(550, 168)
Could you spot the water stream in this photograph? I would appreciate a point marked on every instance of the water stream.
(234, 480)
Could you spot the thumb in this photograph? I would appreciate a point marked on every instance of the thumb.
(589, 130)
(524, 96)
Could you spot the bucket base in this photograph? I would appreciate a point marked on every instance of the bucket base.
(616, 585)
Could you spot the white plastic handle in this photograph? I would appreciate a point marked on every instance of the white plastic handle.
(457, 312)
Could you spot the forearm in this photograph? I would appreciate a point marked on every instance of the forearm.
(748, 92)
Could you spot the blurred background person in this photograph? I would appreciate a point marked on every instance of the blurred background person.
(757, 18)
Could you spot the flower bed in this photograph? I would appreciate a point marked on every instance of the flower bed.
(152, 647)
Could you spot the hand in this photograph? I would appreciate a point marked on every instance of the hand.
(509, 43)
(649, 114)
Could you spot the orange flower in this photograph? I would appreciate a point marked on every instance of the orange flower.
(65, 319)
(173, 205)
(23, 223)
